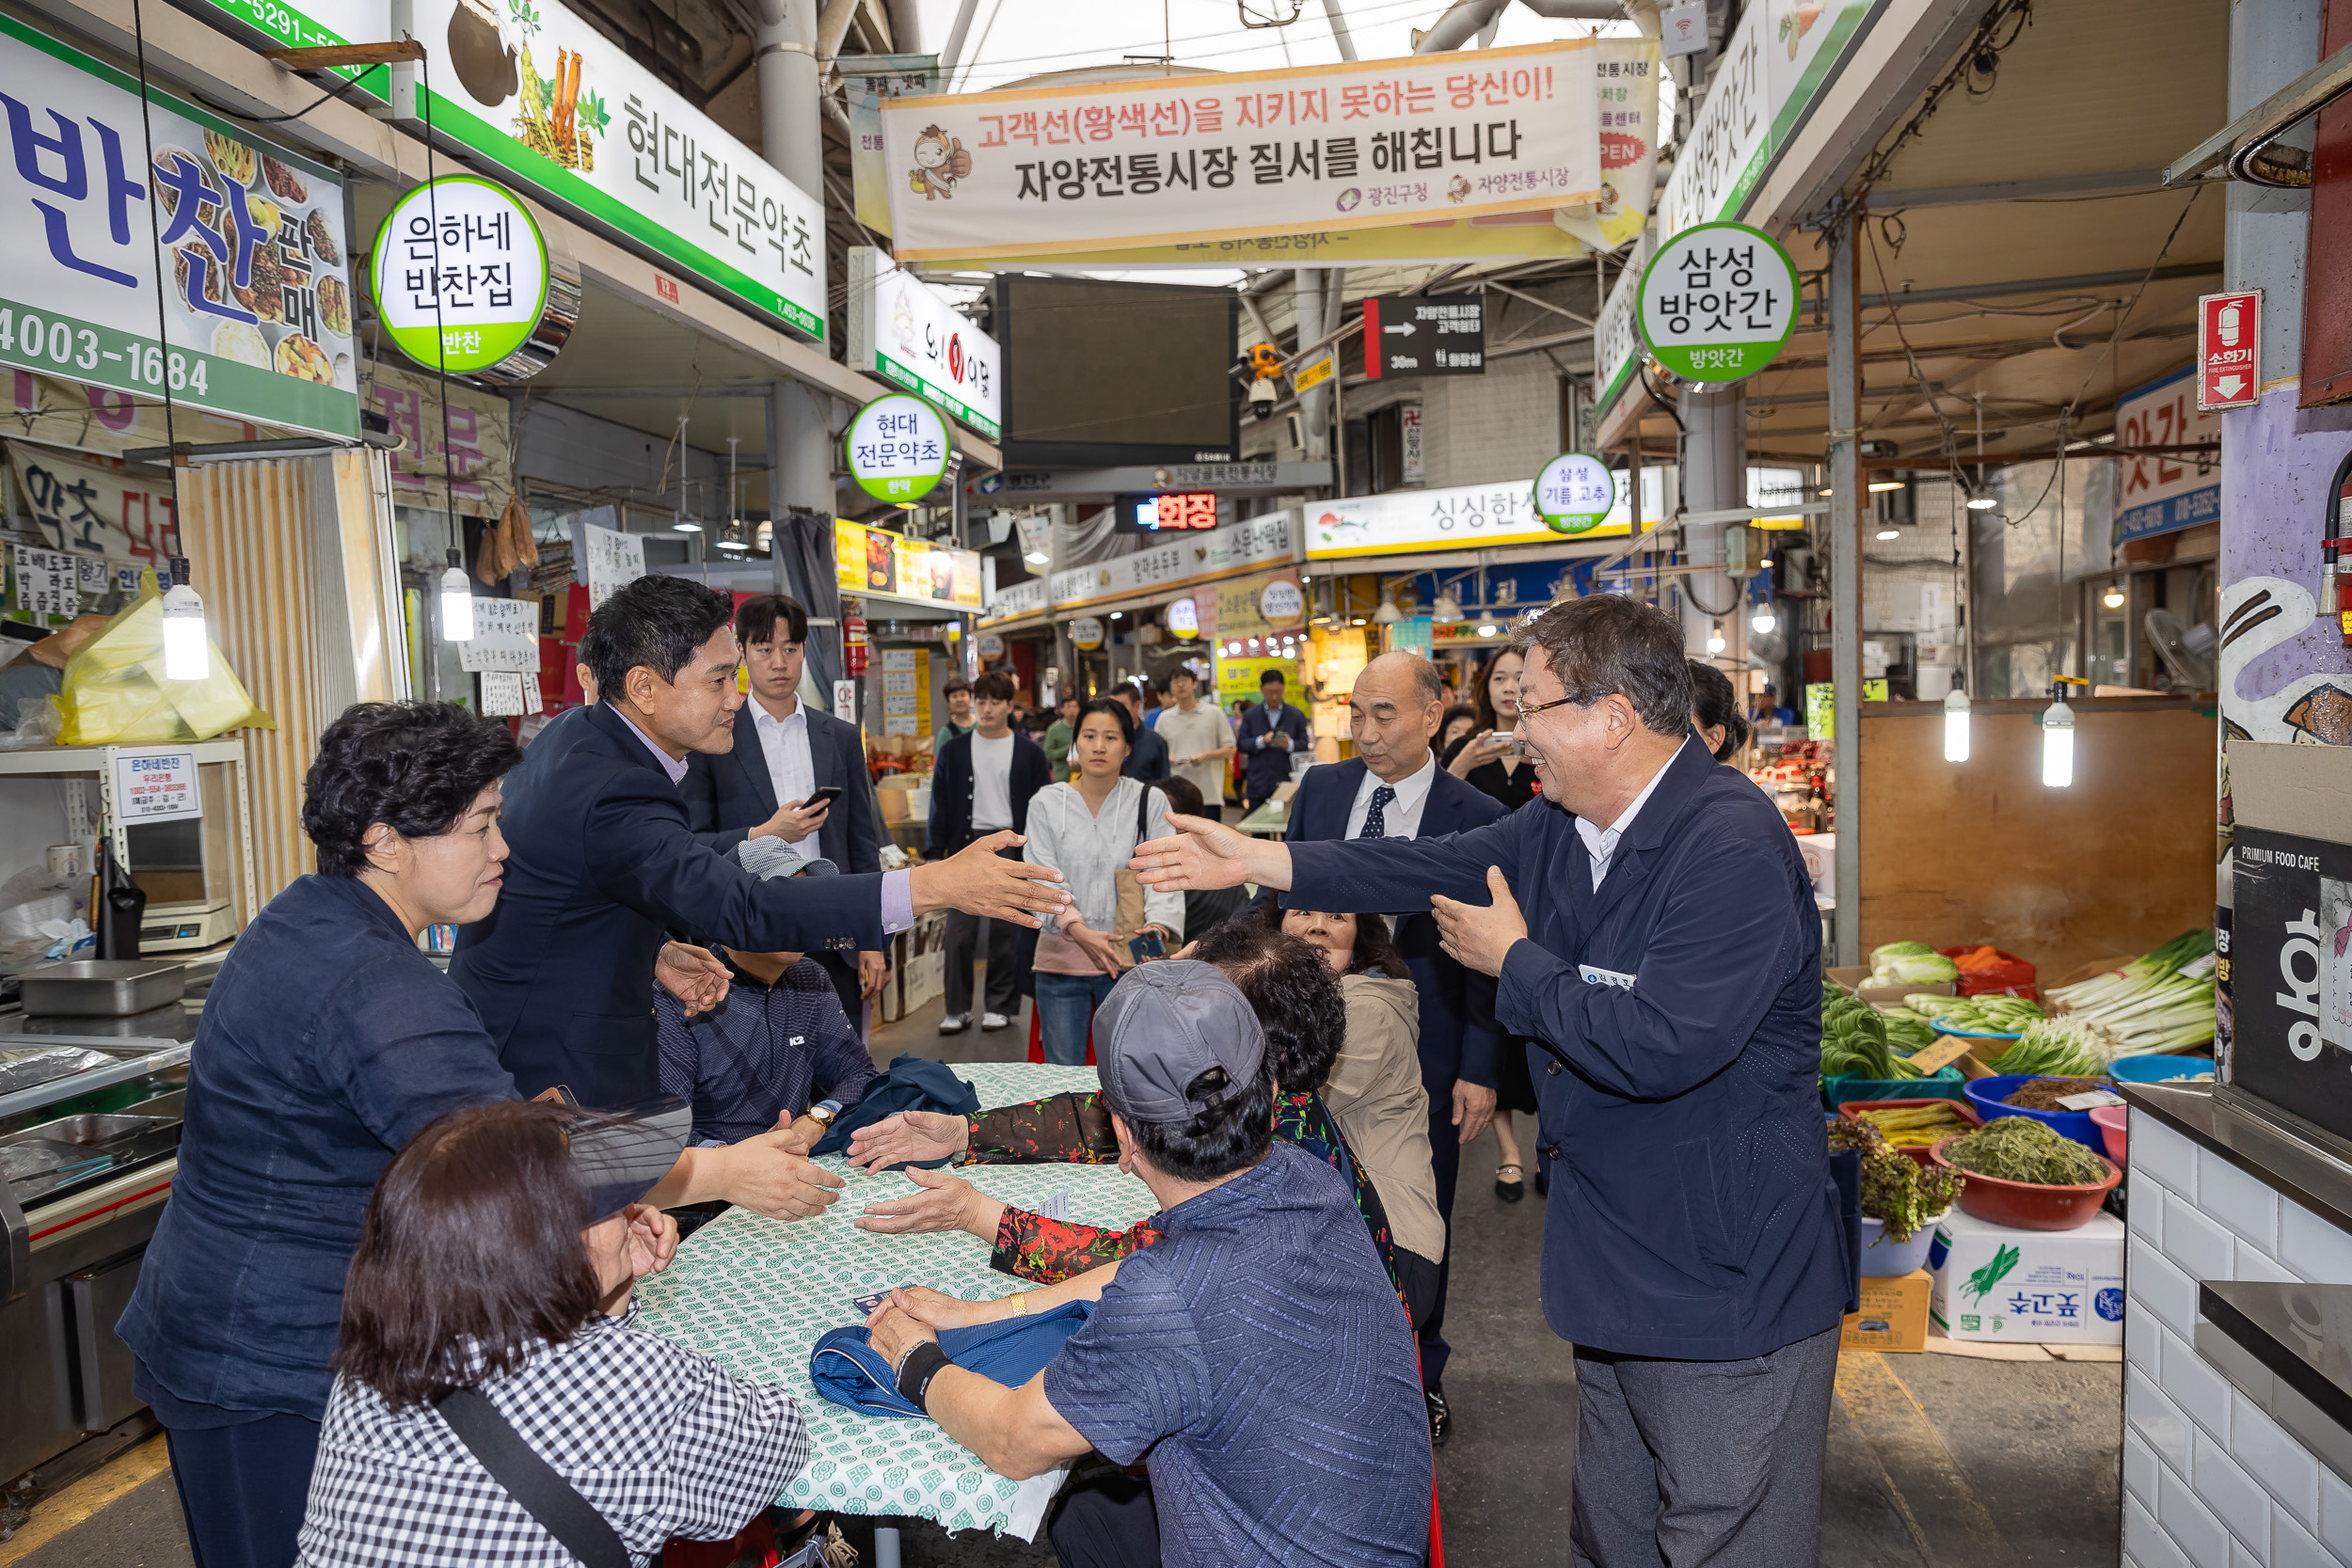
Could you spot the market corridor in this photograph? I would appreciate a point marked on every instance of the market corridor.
(1992, 1464)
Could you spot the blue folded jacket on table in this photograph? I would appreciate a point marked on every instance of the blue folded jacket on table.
(847, 1370)
(913, 1084)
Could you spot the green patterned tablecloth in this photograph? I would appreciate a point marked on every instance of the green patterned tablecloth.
(754, 1293)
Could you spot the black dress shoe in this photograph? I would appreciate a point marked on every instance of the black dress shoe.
(1440, 1419)
(1514, 1189)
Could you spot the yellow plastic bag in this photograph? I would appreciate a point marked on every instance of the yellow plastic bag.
(116, 694)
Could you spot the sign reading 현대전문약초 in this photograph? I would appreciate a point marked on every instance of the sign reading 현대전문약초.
(1718, 301)
(897, 448)
(245, 238)
(460, 274)
(1361, 144)
(1573, 492)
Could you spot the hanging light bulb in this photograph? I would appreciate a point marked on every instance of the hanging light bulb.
(1886, 533)
(2113, 597)
(1715, 638)
(2058, 741)
(1764, 619)
(1956, 725)
(187, 655)
(1982, 503)
(456, 603)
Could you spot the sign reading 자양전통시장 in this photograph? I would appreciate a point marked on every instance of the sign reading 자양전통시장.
(1043, 170)
(257, 318)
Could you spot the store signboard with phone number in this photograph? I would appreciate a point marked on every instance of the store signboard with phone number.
(536, 93)
(257, 316)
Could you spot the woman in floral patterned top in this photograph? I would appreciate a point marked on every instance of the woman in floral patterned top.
(1297, 999)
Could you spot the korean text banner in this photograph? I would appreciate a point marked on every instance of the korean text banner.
(257, 315)
(1040, 171)
(1402, 521)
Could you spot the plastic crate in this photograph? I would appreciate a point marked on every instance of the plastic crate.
(1945, 1083)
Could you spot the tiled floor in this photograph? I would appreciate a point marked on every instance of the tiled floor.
(1932, 1459)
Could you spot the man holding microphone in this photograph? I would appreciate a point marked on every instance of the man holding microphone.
(1652, 929)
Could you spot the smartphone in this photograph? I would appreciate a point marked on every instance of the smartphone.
(1148, 945)
(822, 796)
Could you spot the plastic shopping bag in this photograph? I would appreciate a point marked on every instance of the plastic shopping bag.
(116, 693)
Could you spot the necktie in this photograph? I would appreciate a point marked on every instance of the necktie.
(1375, 822)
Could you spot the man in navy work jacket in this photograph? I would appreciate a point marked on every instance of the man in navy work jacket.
(1393, 788)
(603, 862)
(1270, 734)
(783, 753)
(1654, 932)
(982, 783)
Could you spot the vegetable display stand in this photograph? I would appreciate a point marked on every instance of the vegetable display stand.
(1942, 1084)
(1986, 1094)
(1852, 1110)
(2029, 1204)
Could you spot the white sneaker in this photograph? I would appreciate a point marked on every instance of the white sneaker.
(955, 1024)
(995, 1020)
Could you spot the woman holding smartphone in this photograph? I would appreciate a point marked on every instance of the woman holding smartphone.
(1087, 829)
(1484, 759)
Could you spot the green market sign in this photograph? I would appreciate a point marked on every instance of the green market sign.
(460, 275)
(1573, 492)
(904, 333)
(1718, 301)
(896, 448)
(245, 240)
(533, 92)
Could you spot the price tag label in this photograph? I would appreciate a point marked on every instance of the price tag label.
(1946, 1050)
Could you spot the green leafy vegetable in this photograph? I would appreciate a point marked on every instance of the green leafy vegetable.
(2019, 1149)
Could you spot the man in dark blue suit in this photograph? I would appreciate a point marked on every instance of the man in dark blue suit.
(1654, 933)
(1271, 733)
(785, 750)
(1393, 788)
(603, 864)
(982, 783)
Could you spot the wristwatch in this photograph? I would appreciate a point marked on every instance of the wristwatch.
(823, 1111)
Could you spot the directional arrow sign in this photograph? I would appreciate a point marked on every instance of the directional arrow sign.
(1455, 325)
(2229, 349)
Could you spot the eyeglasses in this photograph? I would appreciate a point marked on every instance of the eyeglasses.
(1528, 710)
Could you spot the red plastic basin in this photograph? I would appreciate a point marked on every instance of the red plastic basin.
(1918, 1152)
(2028, 1205)
(2112, 1120)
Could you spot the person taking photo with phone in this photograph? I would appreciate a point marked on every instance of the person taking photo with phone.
(1087, 829)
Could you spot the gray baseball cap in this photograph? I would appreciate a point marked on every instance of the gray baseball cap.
(1164, 1025)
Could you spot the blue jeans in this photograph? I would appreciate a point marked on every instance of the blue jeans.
(1065, 1011)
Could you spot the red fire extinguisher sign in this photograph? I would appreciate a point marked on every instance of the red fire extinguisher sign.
(2229, 349)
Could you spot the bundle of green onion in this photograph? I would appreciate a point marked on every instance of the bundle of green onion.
(1973, 1015)
(2160, 1003)
(2059, 1048)
(2019, 1149)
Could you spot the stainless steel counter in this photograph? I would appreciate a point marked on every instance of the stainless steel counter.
(2305, 1162)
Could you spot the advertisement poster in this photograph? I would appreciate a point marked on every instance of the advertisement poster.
(1366, 144)
(1406, 520)
(479, 459)
(97, 509)
(58, 412)
(156, 786)
(1271, 538)
(2158, 495)
(1624, 73)
(866, 81)
(506, 637)
(253, 259)
(615, 559)
(875, 561)
(2291, 975)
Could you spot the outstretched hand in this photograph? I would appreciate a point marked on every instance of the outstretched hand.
(1481, 938)
(979, 880)
(693, 975)
(1203, 855)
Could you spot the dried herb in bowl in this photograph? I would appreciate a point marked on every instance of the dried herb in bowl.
(2019, 1149)
(2044, 1094)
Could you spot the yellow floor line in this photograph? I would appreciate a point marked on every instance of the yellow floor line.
(53, 1516)
(1950, 1523)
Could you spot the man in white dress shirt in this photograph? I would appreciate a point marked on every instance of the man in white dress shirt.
(981, 783)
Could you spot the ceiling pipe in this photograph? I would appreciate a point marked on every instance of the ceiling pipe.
(1457, 27)
(906, 25)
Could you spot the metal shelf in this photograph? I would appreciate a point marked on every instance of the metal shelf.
(92, 759)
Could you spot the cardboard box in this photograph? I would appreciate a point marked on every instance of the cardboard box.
(2037, 1287)
(926, 977)
(1894, 1315)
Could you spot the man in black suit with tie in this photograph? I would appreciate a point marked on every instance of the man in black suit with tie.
(1393, 788)
(601, 865)
(785, 750)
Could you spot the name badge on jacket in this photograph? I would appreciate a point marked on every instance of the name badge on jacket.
(1605, 978)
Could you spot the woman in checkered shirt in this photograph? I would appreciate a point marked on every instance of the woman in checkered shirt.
(474, 1271)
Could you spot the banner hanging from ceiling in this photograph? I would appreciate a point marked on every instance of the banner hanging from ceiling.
(1041, 171)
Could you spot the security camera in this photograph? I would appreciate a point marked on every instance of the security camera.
(1261, 400)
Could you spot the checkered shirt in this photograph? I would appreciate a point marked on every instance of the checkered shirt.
(659, 1439)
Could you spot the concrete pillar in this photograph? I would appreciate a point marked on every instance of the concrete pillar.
(1844, 547)
(1714, 456)
(800, 444)
(1314, 404)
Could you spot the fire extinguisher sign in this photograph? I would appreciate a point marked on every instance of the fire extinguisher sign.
(2228, 350)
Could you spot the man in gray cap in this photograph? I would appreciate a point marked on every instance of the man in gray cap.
(1255, 1358)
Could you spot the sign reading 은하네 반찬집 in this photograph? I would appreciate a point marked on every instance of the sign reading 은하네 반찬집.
(903, 332)
(257, 294)
(897, 448)
(1718, 301)
(1044, 170)
(1416, 334)
(460, 274)
(1573, 492)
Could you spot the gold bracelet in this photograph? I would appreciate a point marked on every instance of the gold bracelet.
(1021, 1298)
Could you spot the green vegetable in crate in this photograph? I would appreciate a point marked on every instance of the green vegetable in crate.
(1911, 962)
(1907, 1031)
(2055, 1048)
(1853, 1041)
(2019, 1149)
(1897, 1191)
(2160, 1003)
